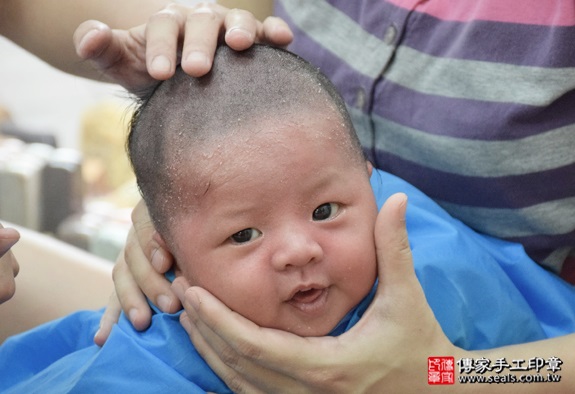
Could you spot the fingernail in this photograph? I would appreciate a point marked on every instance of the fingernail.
(158, 259)
(198, 59)
(193, 298)
(240, 31)
(86, 38)
(164, 302)
(161, 64)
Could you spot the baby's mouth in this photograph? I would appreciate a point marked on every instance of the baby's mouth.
(307, 296)
(310, 301)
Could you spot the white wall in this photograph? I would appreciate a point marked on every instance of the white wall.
(41, 98)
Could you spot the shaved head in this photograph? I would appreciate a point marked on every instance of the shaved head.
(186, 114)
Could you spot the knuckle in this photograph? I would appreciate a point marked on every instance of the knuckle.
(167, 14)
(205, 11)
(230, 357)
(234, 382)
(204, 6)
(247, 350)
(239, 13)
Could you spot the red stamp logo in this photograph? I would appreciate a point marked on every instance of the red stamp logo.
(440, 370)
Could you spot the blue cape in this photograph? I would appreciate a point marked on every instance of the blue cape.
(484, 292)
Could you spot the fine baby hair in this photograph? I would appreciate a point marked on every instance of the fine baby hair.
(183, 114)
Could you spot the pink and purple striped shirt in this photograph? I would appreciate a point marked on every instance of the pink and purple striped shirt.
(472, 101)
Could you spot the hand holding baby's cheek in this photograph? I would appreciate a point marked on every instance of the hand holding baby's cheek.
(399, 330)
(139, 273)
(147, 261)
(395, 336)
(235, 347)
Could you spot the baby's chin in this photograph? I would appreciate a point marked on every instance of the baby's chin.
(308, 331)
(313, 328)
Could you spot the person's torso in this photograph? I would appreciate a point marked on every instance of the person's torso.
(472, 102)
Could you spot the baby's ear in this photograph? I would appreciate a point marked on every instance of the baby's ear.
(369, 167)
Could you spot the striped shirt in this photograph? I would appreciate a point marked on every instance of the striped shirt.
(472, 101)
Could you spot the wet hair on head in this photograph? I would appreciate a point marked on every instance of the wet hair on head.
(179, 113)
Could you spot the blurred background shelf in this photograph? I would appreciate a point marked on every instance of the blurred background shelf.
(69, 177)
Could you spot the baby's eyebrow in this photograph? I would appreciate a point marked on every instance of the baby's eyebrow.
(238, 212)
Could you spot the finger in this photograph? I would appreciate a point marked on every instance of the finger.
(241, 28)
(109, 318)
(395, 263)
(131, 298)
(163, 33)
(235, 361)
(161, 259)
(144, 229)
(8, 271)
(145, 262)
(141, 280)
(234, 334)
(7, 283)
(398, 289)
(117, 55)
(400, 299)
(202, 30)
(275, 31)
(8, 237)
(204, 340)
(91, 39)
(8, 265)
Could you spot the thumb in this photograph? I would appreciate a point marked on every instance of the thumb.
(91, 39)
(395, 262)
(8, 237)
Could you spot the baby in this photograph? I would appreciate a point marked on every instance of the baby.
(262, 195)
(257, 184)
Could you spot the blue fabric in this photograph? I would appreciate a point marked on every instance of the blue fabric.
(484, 292)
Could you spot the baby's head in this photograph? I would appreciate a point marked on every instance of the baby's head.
(255, 180)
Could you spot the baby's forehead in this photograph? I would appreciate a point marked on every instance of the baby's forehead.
(218, 131)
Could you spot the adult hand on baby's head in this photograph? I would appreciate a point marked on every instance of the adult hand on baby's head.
(134, 58)
(387, 349)
(139, 272)
(8, 265)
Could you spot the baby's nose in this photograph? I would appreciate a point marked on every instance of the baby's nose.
(296, 250)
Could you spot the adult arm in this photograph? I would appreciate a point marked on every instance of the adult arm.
(149, 260)
(177, 33)
(45, 27)
(130, 42)
(8, 264)
(387, 350)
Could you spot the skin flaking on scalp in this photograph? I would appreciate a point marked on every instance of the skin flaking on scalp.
(186, 114)
(257, 184)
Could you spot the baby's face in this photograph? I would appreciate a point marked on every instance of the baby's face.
(281, 226)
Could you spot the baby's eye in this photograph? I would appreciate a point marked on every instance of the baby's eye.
(245, 235)
(325, 211)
